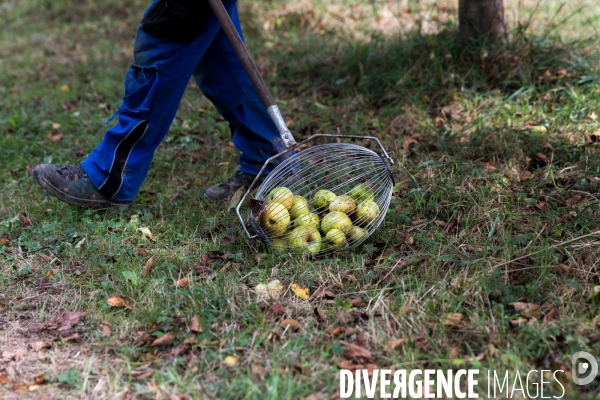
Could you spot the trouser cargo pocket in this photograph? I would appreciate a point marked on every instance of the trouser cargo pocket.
(176, 20)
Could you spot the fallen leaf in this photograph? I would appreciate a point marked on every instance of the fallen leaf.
(353, 351)
(564, 267)
(195, 322)
(69, 320)
(358, 303)
(439, 223)
(528, 310)
(25, 220)
(408, 141)
(204, 270)
(320, 314)
(105, 330)
(236, 198)
(5, 239)
(72, 337)
(3, 379)
(257, 371)
(454, 319)
(271, 290)
(37, 346)
(518, 321)
(349, 365)
(55, 138)
(392, 344)
(148, 267)
(182, 282)
(321, 293)
(301, 291)
(342, 316)
(118, 301)
(292, 323)
(276, 309)
(230, 360)
(146, 231)
(552, 315)
(336, 331)
(165, 339)
(142, 373)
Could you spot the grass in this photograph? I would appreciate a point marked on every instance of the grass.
(497, 202)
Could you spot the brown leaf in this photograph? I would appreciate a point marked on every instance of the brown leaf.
(148, 267)
(405, 310)
(439, 223)
(69, 320)
(342, 316)
(292, 323)
(552, 315)
(353, 351)
(276, 309)
(165, 339)
(358, 303)
(321, 293)
(320, 314)
(454, 319)
(182, 282)
(236, 198)
(3, 379)
(204, 270)
(299, 368)
(40, 379)
(55, 138)
(408, 141)
(5, 239)
(336, 331)
(72, 337)
(118, 301)
(349, 365)
(541, 158)
(392, 344)
(564, 267)
(25, 220)
(142, 373)
(37, 346)
(196, 324)
(105, 330)
(518, 321)
(528, 310)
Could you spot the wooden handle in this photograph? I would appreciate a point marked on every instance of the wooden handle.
(242, 53)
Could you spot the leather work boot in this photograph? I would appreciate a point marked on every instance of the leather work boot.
(72, 185)
(223, 191)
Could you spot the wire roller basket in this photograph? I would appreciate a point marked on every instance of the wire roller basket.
(321, 199)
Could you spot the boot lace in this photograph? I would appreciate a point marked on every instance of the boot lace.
(73, 172)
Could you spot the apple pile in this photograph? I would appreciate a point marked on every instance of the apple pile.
(327, 222)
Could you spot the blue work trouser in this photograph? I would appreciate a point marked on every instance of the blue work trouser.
(154, 86)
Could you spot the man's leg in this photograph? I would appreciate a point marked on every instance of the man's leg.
(113, 172)
(222, 79)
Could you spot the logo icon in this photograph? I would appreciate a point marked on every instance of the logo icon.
(582, 364)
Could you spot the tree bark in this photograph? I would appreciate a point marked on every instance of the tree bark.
(481, 18)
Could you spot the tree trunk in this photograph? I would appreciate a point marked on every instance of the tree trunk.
(481, 18)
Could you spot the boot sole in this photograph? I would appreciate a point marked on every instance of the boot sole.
(75, 201)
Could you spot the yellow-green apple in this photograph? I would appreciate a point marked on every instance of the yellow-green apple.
(274, 219)
(336, 220)
(299, 207)
(336, 239)
(362, 192)
(357, 234)
(281, 195)
(365, 213)
(343, 203)
(310, 219)
(322, 198)
(280, 245)
(305, 238)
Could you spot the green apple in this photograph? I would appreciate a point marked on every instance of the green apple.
(322, 198)
(299, 207)
(280, 245)
(365, 213)
(357, 234)
(306, 238)
(336, 239)
(281, 195)
(362, 192)
(310, 219)
(336, 220)
(274, 219)
(343, 203)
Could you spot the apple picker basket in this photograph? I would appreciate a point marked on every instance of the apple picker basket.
(347, 188)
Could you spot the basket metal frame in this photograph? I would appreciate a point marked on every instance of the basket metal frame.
(388, 161)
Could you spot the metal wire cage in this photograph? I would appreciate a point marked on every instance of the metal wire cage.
(321, 199)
